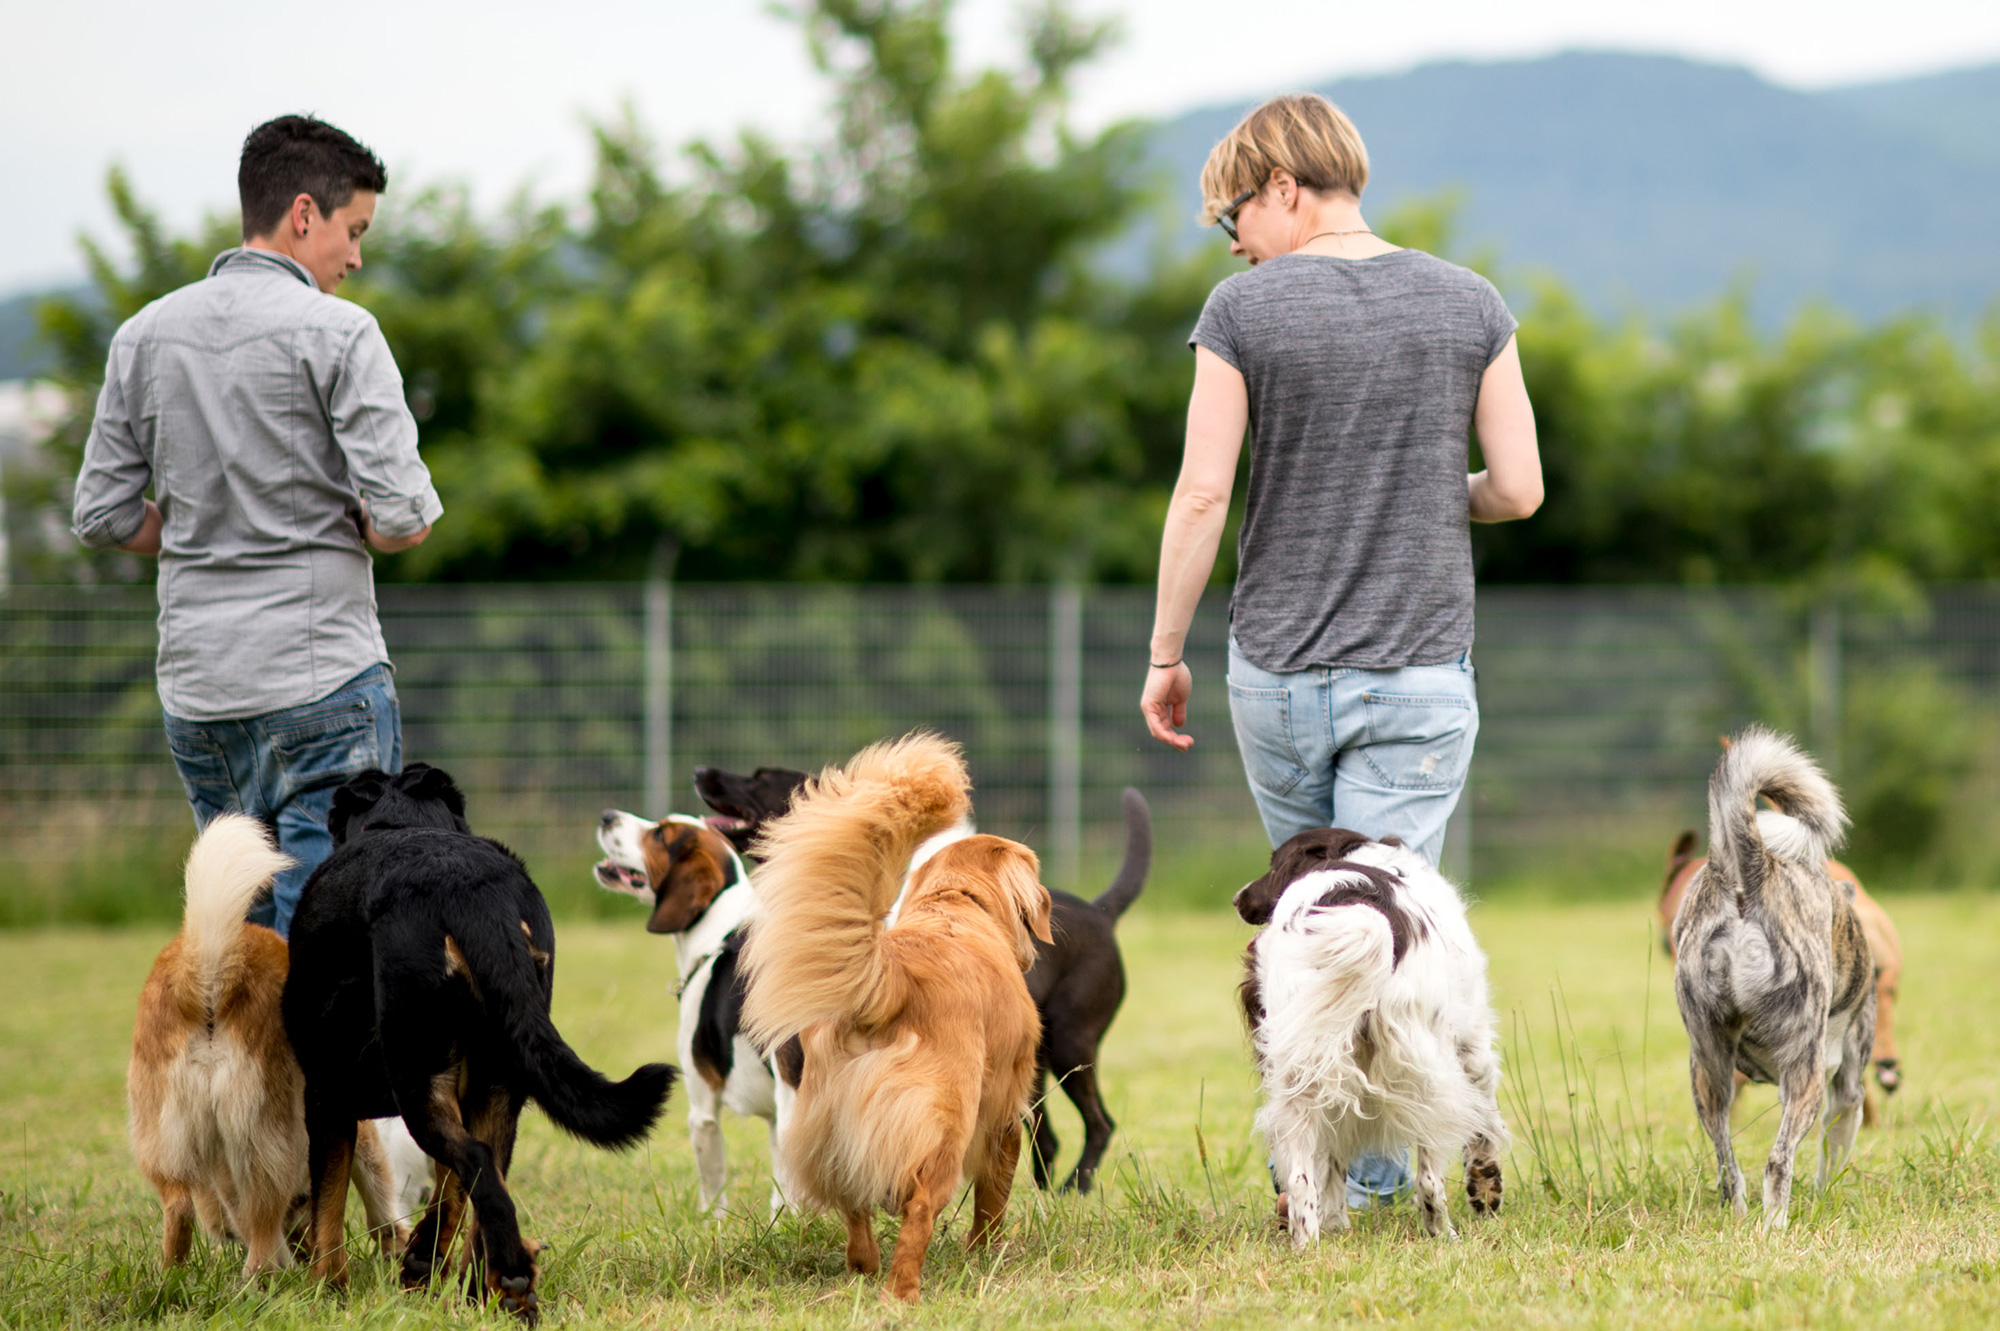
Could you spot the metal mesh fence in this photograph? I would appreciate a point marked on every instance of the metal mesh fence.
(1600, 708)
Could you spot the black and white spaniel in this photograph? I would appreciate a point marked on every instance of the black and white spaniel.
(1366, 998)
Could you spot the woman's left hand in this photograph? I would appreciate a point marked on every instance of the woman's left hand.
(1164, 702)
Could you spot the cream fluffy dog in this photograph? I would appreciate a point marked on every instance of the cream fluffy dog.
(919, 1037)
(217, 1099)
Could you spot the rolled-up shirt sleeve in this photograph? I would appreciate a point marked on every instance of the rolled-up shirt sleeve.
(374, 429)
(109, 505)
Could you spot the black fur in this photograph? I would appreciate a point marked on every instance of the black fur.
(422, 964)
(714, 1044)
(1077, 981)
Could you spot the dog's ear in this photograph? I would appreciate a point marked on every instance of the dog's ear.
(692, 876)
(356, 796)
(1256, 899)
(421, 781)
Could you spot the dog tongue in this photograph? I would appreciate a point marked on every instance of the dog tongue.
(724, 824)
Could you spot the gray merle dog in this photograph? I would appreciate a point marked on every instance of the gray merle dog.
(1773, 973)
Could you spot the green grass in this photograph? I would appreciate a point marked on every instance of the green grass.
(1610, 1217)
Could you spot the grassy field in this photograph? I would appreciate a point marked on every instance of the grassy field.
(1610, 1217)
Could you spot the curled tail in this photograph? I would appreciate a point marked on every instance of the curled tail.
(499, 955)
(1131, 879)
(231, 864)
(832, 868)
(1763, 762)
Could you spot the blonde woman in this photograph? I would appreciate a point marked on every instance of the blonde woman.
(1358, 368)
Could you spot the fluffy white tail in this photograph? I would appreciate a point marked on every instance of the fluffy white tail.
(1762, 762)
(232, 862)
(832, 867)
(1322, 972)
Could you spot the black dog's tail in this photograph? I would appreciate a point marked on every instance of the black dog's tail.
(1131, 879)
(500, 954)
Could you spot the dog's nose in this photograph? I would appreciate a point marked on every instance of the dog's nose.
(610, 817)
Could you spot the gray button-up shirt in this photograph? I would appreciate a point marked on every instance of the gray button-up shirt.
(263, 413)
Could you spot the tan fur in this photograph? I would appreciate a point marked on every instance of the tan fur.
(217, 1100)
(1884, 943)
(919, 1039)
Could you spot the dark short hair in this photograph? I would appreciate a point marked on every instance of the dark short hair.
(296, 155)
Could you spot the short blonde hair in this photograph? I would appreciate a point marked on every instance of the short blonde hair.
(1302, 133)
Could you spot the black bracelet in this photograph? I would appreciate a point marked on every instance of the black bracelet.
(1169, 665)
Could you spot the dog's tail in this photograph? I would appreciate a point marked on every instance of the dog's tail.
(1131, 879)
(1809, 823)
(499, 956)
(232, 862)
(1321, 972)
(832, 867)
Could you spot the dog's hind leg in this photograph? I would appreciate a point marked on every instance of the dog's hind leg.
(864, 1254)
(440, 1129)
(935, 1181)
(782, 1192)
(1483, 1182)
(260, 1214)
(1431, 1195)
(1848, 1088)
(1714, 1081)
(372, 1177)
(1294, 1139)
(1080, 1085)
(1042, 1142)
(330, 1155)
(1802, 1093)
(995, 1182)
(176, 1222)
(705, 1135)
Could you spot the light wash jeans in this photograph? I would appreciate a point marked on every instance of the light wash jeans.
(1381, 752)
(284, 766)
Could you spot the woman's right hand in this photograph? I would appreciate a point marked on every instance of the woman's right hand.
(1163, 702)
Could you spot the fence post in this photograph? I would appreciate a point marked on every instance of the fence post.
(1456, 862)
(659, 683)
(1824, 668)
(1066, 731)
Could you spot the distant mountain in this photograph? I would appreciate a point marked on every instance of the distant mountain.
(1660, 181)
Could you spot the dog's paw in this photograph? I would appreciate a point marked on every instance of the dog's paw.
(516, 1295)
(1484, 1186)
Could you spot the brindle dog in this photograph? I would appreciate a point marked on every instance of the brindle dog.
(1773, 970)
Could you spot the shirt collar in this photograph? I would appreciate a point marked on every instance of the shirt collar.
(246, 258)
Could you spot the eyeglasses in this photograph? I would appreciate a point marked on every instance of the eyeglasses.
(1226, 219)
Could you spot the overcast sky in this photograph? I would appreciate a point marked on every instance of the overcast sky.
(498, 92)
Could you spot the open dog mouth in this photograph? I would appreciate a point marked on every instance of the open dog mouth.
(725, 824)
(614, 875)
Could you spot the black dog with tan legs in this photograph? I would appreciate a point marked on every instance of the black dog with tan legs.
(422, 964)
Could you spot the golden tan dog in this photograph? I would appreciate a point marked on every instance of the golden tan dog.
(218, 1114)
(1883, 942)
(919, 1038)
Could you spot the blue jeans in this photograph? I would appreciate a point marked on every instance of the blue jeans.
(1382, 752)
(284, 766)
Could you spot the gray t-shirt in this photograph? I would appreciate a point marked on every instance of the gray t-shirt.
(263, 414)
(1355, 548)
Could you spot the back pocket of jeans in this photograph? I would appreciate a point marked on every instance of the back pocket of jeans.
(1419, 741)
(326, 744)
(1263, 720)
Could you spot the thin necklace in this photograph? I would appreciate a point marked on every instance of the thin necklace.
(1357, 231)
